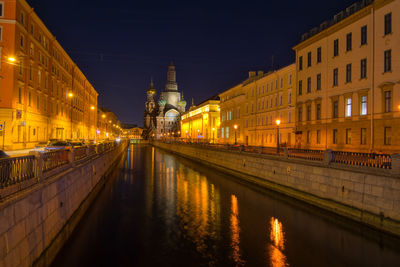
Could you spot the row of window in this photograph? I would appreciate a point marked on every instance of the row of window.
(387, 134)
(387, 107)
(270, 86)
(335, 75)
(349, 42)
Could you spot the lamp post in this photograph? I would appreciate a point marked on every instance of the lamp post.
(213, 130)
(71, 95)
(235, 126)
(277, 135)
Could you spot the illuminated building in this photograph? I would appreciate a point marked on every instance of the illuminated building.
(108, 125)
(348, 80)
(163, 118)
(202, 121)
(44, 95)
(254, 106)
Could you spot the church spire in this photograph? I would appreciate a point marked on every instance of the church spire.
(171, 78)
(151, 90)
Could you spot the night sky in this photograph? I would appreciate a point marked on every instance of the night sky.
(119, 44)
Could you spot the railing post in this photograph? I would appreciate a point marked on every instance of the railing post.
(328, 156)
(260, 150)
(87, 151)
(71, 157)
(396, 164)
(285, 153)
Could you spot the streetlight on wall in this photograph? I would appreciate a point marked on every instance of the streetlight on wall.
(71, 95)
(278, 122)
(235, 126)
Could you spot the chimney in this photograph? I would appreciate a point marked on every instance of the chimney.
(252, 74)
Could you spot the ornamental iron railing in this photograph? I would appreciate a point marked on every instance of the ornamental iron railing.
(16, 170)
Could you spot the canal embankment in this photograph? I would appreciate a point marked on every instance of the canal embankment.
(368, 195)
(44, 196)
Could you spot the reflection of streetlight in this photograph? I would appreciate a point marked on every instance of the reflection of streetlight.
(213, 130)
(235, 126)
(277, 135)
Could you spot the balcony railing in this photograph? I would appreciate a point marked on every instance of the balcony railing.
(16, 170)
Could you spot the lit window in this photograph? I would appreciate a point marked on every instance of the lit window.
(348, 107)
(364, 105)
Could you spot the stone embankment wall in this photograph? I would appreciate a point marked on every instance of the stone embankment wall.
(367, 195)
(36, 221)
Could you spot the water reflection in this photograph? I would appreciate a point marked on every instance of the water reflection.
(277, 258)
(162, 210)
(235, 230)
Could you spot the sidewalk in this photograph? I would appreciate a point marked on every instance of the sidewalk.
(20, 152)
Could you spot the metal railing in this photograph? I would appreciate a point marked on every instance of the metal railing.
(16, 170)
(54, 159)
(383, 161)
(373, 160)
(306, 154)
(80, 153)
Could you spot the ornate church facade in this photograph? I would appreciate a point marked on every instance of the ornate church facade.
(162, 118)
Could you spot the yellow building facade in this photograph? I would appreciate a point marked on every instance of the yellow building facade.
(43, 95)
(201, 122)
(250, 110)
(348, 80)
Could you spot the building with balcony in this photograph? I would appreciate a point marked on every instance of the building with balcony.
(201, 122)
(348, 80)
(44, 95)
(254, 106)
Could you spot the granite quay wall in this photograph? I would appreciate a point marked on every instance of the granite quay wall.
(44, 197)
(368, 195)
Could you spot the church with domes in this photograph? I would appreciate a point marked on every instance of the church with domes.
(162, 118)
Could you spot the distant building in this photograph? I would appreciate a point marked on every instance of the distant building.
(348, 80)
(202, 122)
(163, 117)
(254, 106)
(133, 133)
(43, 94)
(108, 125)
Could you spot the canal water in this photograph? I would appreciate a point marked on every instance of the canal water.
(159, 209)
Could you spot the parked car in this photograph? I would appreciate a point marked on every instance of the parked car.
(3, 155)
(59, 144)
(41, 146)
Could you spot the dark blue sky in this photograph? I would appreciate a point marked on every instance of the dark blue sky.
(119, 44)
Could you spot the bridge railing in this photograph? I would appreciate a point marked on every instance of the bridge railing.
(40, 165)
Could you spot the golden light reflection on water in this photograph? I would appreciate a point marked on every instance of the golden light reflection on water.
(235, 231)
(197, 203)
(277, 245)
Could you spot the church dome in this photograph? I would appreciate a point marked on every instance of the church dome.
(151, 89)
(162, 102)
(182, 103)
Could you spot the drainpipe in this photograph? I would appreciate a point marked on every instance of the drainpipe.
(373, 81)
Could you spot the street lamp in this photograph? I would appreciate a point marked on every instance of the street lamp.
(277, 135)
(213, 130)
(235, 126)
(11, 59)
(71, 95)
